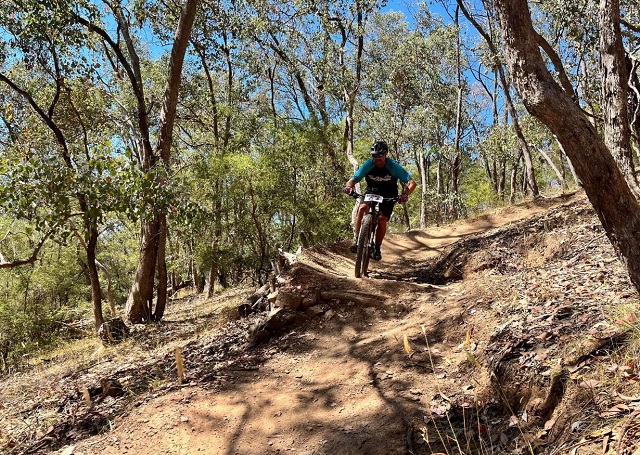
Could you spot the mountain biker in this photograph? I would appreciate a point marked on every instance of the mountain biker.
(382, 175)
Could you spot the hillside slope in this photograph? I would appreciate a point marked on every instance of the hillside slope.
(492, 335)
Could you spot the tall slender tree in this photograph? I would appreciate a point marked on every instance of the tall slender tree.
(153, 240)
(506, 88)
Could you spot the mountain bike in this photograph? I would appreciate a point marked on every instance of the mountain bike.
(366, 237)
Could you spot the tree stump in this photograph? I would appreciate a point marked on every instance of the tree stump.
(113, 331)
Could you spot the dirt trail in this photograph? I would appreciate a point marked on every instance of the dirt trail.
(341, 383)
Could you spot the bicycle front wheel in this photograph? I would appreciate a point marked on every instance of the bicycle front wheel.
(362, 254)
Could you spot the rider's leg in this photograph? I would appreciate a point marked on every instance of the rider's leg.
(362, 209)
(386, 209)
(380, 232)
(382, 229)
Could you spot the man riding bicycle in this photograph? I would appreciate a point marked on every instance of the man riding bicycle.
(382, 175)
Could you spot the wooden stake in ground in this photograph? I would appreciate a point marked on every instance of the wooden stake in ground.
(179, 366)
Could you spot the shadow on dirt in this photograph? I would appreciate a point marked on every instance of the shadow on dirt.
(388, 374)
(416, 415)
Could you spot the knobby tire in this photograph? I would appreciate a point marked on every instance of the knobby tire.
(362, 254)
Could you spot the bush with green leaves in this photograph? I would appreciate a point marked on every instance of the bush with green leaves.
(36, 300)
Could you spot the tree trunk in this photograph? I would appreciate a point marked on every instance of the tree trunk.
(210, 288)
(528, 162)
(217, 237)
(488, 173)
(454, 174)
(617, 132)
(90, 246)
(304, 240)
(139, 302)
(503, 178)
(571, 168)
(138, 307)
(513, 186)
(423, 188)
(554, 168)
(161, 302)
(603, 181)
(96, 292)
(454, 180)
(350, 92)
(634, 104)
(405, 217)
(439, 191)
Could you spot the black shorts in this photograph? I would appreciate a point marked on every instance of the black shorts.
(386, 208)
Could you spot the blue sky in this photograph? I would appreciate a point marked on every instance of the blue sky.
(405, 6)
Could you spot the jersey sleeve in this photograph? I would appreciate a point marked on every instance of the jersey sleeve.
(363, 170)
(398, 171)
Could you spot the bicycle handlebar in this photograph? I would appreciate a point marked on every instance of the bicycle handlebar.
(356, 195)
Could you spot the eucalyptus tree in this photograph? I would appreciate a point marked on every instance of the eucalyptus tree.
(525, 151)
(413, 97)
(222, 82)
(58, 165)
(603, 180)
(494, 164)
(351, 24)
(456, 158)
(497, 151)
(493, 154)
(67, 41)
(631, 32)
(154, 228)
(542, 141)
(288, 36)
(575, 34)
(318, 46)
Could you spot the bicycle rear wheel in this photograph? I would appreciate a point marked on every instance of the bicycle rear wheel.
(362, 254)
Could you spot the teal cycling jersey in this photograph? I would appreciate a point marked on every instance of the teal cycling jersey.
(382, 181)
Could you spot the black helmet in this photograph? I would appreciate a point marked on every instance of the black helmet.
(379, 148)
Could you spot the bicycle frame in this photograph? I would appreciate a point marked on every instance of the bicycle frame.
(367, 234)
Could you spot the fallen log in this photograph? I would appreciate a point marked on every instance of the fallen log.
(255, 301)
(172, 290)
(271, 324)
(75, 329)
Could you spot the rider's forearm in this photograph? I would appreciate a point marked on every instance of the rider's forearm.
(410, 187)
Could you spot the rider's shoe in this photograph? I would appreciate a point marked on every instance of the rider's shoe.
(376, 256)
(354, 247)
